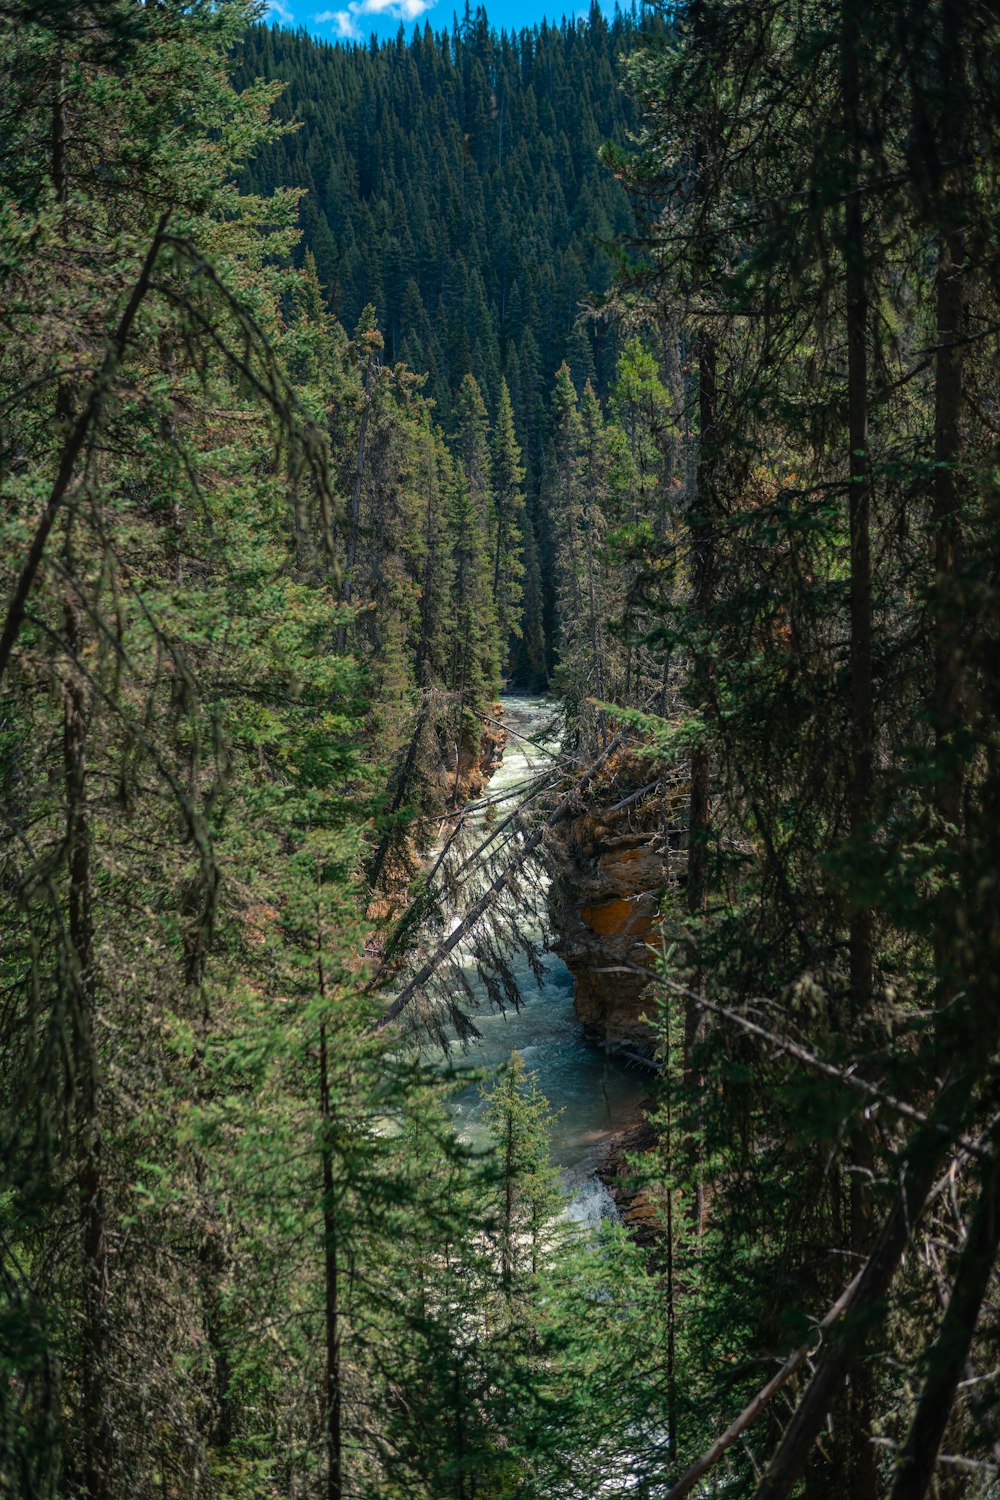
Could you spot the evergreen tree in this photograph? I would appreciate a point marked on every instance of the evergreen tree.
(580, 490)
(508, 512)
(786, 225)
(518, 1112)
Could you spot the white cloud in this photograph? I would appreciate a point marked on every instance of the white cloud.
(347, 22)
(279, 11)
(344, 24)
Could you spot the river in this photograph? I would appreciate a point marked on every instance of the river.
(592, 1095)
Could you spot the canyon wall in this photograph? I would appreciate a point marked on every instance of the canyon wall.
(610, 866)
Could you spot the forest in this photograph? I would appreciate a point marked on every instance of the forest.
(500, 754)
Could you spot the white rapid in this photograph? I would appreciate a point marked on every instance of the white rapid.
(592, 1095)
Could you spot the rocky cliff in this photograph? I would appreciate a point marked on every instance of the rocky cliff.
(610, 867)
(467, 768)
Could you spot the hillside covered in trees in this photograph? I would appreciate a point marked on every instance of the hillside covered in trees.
(648, 361)
(453, 183)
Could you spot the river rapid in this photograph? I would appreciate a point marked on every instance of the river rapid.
(592, 1095)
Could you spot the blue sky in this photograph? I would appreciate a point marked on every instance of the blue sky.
(355, 20)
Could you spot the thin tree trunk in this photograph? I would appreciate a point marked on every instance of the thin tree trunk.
(704, 565)
(354, 519)
(212, 1262)
(699, 809)
(859, 467)
(73, 447)
(842, 1353)
(704, 559)
(423, 646)
(862, 1468)
(668, 1146)
(506, 1254)
(951, 293)
(58, 127)
(456, 793)
(334, 1458)
(979, 1254)
(94, 1424)
(332, 1393)
(760, 1402)
(498, 552)
(595, 642)
(213, 1248)
(844, 1306)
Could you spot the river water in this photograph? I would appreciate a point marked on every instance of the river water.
(592, 1095)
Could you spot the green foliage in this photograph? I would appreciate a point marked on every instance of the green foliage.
(240, 1249)
(260, 580)
(453, 183)
(508, 521)
(805, 485)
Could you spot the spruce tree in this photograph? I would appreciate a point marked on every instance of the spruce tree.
(508, 514)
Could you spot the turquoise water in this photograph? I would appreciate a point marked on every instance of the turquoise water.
(591, 1095)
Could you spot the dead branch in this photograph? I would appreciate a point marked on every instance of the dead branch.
(810, 1060)
(498, 884)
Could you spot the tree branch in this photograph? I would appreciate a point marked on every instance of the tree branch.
(843, 1306)
(73, 447)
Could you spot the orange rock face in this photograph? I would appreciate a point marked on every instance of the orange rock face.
(611, 866)
(614, 918)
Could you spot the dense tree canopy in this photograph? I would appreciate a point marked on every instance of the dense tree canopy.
(324, 408)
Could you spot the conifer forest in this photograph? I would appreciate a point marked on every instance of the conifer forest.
(500, 753)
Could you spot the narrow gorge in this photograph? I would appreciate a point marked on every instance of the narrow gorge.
(584, 1022)
(593, 1094)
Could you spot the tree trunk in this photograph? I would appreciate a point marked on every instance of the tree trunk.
(75, 443)
(595, 641)
(859, 468)
(704, 560)
(94, 1425)
(507, 1244)
(334, 1457)
(862, 1468)
(705, 565)
(331, 1283)
(951, 296)
(951, 1350)
(843, 1349)
(354, 519)
(420, 670)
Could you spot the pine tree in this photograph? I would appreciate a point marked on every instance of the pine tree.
(797, 620)
(527, 1193)
(579, 490)
(474, 672)
(596, 492)
(508, 513)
